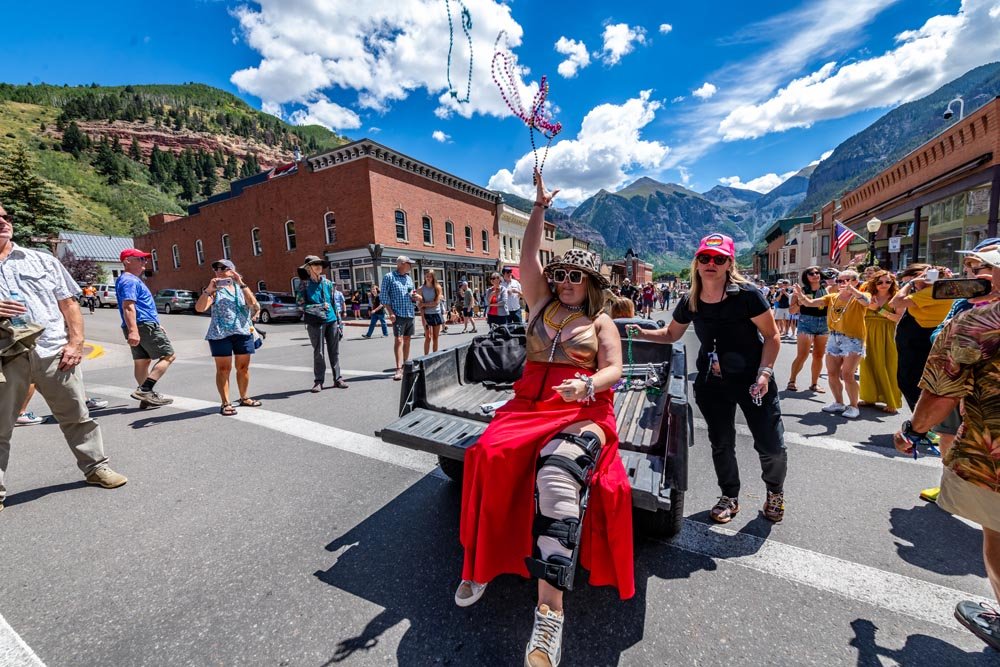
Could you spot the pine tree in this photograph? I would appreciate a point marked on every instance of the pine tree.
(34, 208)
(107, 163)
(158, 171)
(116, 147)
(134, 151)
(232, 168)
(74, 141)
(250, 166)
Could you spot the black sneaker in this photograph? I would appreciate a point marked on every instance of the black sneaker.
(725, 509)
(982, 619)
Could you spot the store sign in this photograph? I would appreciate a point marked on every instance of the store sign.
(895, 243)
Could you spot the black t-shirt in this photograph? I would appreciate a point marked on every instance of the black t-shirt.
(811, 310)
(784, 298)
(726, 327)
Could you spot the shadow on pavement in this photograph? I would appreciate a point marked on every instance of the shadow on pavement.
(936, 538)
(406, 558)
(41, 492)
(919, 650)
(167, 417)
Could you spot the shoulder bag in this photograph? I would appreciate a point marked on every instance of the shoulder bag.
(498, 356)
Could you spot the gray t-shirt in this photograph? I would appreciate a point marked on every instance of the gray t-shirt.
(428, 293)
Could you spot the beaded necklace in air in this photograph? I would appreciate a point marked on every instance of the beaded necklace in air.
(833, 310)
(575, 312)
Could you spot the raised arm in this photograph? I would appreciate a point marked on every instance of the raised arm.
(805, 300)
(533, 282)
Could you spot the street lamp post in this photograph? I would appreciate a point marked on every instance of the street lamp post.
(948, 113)
(873, 227)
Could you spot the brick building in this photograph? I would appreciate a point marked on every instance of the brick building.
(360, 206)
(941, 197)
(631, 267)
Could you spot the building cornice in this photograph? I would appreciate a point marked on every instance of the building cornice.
(366, 148)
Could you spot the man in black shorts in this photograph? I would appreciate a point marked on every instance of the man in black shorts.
(141, 327)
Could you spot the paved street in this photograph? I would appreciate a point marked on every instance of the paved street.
(290, 535)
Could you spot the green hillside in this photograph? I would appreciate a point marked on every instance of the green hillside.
(112, 156)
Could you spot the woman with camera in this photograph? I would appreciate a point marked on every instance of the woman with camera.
(549, 449)
(739, 344)
(229, 336)
(316, 297)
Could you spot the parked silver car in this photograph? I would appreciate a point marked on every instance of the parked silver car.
(106, 296)
(175, 300)
(277, 306)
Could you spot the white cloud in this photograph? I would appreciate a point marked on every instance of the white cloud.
(374, 130)
(679, 98)
(685, 176)
(706, 91)
(578, 56)
(665, 28)
(620, 40)
(438, 135)
(273, 109)
(607, 145)
(821, 158)
(762, 184)
(326, 113)
(794, 39)
(384, 50)
(944, 48)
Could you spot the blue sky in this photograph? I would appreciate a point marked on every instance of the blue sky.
(787, 82)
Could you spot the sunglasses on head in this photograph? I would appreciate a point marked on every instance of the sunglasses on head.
(560, 275)
(718, 260)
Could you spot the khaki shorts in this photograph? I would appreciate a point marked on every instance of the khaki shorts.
(969, 501)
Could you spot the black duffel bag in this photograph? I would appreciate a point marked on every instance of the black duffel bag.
(498, 356)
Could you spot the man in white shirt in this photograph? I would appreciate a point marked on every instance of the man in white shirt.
(47, 297)
(513, 296)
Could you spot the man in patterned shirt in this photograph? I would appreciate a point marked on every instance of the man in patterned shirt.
(397, 297)
(964, 366)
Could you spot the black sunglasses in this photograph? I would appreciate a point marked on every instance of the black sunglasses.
(844, 280)
(718, 260)
(219, 267)
(812, 273)
(575, 276)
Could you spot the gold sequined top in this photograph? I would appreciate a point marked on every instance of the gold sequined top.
(580, 349)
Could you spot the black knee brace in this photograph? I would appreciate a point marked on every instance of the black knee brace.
(559, 571)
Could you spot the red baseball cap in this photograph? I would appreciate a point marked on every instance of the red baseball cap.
(717, 244)
(132, 252)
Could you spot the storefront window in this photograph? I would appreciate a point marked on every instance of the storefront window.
(946, 222)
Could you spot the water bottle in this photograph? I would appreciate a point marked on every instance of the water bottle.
(18, 320)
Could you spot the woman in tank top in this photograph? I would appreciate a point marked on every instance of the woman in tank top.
(812, 333)
(430, 311)
(516, 474)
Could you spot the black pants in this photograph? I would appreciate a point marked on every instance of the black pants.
(913, 345)
(717, 399)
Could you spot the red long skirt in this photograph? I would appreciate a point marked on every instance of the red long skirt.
(498, 493)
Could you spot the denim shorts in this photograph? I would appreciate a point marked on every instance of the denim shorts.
(433, 319)
(813, 325)
(230, 345)
(841, 345)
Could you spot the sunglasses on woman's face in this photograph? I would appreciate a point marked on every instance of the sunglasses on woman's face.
(575, 277)
(812, 273)
(883, 282)
(719, 260)
(220, 268)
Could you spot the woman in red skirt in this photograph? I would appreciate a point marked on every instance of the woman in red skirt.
(550, 454)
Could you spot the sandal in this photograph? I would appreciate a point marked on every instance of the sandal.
(248, 402)
(815, 388)
(791, 387)
(227, 410)
(398, 376)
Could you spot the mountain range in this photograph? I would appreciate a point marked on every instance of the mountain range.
(662, 222)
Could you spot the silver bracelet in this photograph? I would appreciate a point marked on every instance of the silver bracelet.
(589, 381)
(765, 370)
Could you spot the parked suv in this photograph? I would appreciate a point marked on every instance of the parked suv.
(106, 296)
(277, 306)
(175, 300)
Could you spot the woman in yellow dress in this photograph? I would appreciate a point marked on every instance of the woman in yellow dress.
(878, 367)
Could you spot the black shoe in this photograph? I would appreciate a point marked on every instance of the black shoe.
(364, 336)
(981, 619)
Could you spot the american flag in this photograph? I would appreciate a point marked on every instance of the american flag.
(842, 235)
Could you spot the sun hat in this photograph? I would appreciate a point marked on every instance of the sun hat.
(314, 259)
(224, 262)
(991, 257)
(717, 244)
(579, 259)
(132, 252)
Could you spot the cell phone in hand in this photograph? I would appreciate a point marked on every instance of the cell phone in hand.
(224, 282)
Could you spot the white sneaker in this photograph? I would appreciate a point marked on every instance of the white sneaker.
(851, 412)
(468, 593)
(545, 647)
(28, 419)
(834, 407)
(96, 403)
